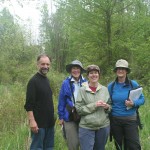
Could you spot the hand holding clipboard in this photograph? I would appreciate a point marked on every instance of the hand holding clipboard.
(134, 94)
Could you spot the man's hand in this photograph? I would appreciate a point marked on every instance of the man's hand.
(33, 126)
(32, 123)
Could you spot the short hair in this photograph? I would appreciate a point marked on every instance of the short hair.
(43, 55)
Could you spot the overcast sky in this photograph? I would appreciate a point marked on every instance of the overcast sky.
(28, 10)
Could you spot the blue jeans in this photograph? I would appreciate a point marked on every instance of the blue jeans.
(93, 139)
(43, 140)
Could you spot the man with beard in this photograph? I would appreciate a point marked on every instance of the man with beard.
(39, 107)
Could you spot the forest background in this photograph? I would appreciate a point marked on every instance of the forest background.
(92, 31)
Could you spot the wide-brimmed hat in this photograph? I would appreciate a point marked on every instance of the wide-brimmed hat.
(122, 63)
(75, 63)
(92, 67)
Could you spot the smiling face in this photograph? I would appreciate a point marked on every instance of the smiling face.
(121, 72)
(43, 65)
(93, 77)
(76, 72)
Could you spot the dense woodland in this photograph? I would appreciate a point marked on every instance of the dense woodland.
(93, 31)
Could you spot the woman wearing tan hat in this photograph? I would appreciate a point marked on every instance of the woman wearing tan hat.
(124, 125)
(67, 99)
(93, 107)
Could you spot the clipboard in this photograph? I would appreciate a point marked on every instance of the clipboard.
(134, 94)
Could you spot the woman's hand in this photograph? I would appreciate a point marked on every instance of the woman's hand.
(101, 103)
(129, 103)
(61, 122)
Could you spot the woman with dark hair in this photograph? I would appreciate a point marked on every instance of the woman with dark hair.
(124, 125)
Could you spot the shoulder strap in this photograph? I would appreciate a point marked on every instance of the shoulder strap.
(70, 82)
(130, 82)
(111, 89)
(72, 91)
(112, 86)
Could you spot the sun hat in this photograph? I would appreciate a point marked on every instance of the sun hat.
(75, 63)
(92, 67)
(122, 63)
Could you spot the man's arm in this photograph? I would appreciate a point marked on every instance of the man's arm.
(32, 123)
(29, 105)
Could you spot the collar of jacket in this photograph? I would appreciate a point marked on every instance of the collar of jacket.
(81, 77)
(87, 88)
(127, 82)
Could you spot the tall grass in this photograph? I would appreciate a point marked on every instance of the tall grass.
(14, 131)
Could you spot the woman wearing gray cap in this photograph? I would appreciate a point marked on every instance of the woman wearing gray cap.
(67, 99)
(93, 106)
(124, 125)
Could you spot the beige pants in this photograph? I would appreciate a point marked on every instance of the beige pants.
(71, 129)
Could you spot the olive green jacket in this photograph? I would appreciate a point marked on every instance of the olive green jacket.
(92, 117)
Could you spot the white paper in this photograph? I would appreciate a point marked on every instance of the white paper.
(134, 94)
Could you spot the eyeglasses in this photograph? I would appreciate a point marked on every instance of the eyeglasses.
(121, 68)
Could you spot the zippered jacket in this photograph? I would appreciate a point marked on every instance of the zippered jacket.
(92, 117)
(65, 98)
